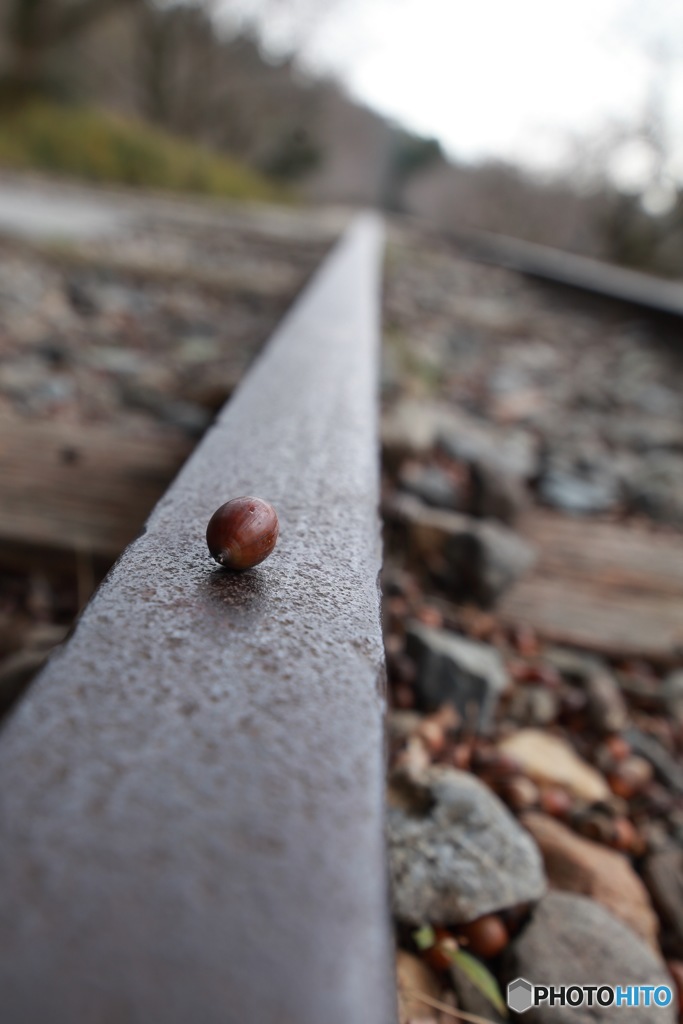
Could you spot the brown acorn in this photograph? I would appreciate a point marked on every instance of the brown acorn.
(242, 532)
(486, 936)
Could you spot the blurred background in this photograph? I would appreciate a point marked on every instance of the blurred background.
(560, 124)
(173, 171)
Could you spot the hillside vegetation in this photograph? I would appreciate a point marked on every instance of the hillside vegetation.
(100, 146)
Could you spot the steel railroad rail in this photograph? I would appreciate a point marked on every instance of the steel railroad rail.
(192, 800)
(557, 266)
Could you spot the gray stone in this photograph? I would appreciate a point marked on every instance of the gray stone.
(656, 487)
(667, 769)
(188, 416)
(115, 359)
(25, 380)
(486, 559)
(573, 664)
(498, 463)
(533, 705)
(645, 434)
(432, 484)
(476, 442)
(672, 692)
(663, 875)
(572, 940)
(656, 399)
(411, 427)
(402, 724)
(581, 491)
(455, 850)
(453, 670)
(579, 473)
(641, 689)
(470, 558)
(605, 702)
(496, 493)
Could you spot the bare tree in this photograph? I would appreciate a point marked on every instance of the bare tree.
(35, 28)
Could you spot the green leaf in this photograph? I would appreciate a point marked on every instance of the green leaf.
(425, 937)
(480, 976)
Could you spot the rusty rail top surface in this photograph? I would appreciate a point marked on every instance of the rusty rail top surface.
(191, 805)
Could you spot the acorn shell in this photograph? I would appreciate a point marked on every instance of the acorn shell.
(242, 532)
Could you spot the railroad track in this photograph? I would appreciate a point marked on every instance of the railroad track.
(192, 808)
(193, 787)
(582, 273)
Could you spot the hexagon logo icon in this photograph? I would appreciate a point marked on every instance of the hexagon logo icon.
(520, 995)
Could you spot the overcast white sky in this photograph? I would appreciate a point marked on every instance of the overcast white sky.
(496, 78)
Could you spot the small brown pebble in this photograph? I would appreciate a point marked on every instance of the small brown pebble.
(555, 801)
(625, 837)
(449, 717)
(433, 735)
(497, 639)
(654, 836)
(403, 669)
(486, 937)
(596, 826)
(526, 641)
(430, 616)
(404, 697)
(616, 806)
(533, 672)
(676, 972)
(415, 757)
(658, 799)
(462, 755)
(630, 777)
(618, 747)
(549, 676)
(487, 760)
(504, 764)
(520, 793)
(482, 757)
(393, 645)
(401, 725)
(479, 625)
(573, 700)
(397, 609)
(663, 730)
(637, 667)
(518, 670)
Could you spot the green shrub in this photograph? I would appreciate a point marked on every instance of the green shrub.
(100, 146)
